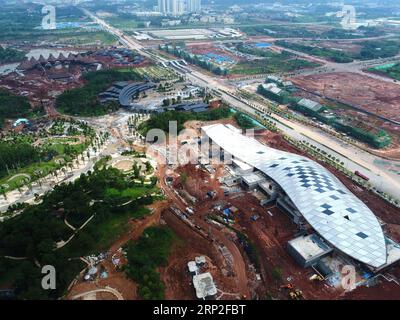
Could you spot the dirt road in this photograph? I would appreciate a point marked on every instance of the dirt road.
(238, 261)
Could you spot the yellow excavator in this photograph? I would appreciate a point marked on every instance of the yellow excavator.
(296, 294)
(316, 277)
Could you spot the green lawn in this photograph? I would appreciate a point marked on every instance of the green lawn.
(45, 167)
(157, 73)
(130, 193)
(122, 22)
(111, 230)
(271, 65)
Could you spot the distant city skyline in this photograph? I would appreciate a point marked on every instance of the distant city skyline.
(177, 7)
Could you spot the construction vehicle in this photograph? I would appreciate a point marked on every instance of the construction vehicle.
(287, 286)
(296, 294)
(316, 277)
(299, 294)
(293, 295)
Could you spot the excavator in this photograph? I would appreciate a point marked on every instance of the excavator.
(316, 277)
(287, 286)
(296, 294)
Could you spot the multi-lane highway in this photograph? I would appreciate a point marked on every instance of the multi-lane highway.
(354, 158)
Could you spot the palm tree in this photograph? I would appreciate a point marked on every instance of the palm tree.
(56, 174)
(37, 176)
(3, 192)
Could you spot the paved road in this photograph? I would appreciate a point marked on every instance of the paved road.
(355, 66)
(93, 292)
(28, 196)
(354, 158)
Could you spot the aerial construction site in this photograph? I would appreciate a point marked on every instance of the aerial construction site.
(186, 151)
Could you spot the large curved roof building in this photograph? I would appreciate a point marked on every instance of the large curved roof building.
(127, 93)
(326, 204)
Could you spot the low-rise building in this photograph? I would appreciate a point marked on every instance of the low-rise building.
(204, 286)
(193, 268)
(308, 250)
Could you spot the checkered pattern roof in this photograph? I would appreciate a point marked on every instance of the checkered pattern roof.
(330, 208)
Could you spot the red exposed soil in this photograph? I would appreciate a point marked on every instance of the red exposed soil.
(117, 279)
(384, 291)
(382, 209)
(377, 97)
(205, 48)
(270, 235)
(192, 185)
(176, 275)
(237, 282)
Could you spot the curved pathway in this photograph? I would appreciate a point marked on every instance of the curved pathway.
(106, 289)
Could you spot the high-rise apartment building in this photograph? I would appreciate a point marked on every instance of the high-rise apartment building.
(193, 5)
(174, 7)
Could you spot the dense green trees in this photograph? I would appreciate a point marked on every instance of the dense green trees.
(161, 121)
(14, 155)
(278, 31)
(337, 33)
(334, 55)
(9, 55)
(378, 139)
(286, 31)
(12, 106)
(373, 49)
(84, 101)
(243, 121)
(34, 233)
(144, 256)
(393, 72)
(379, 49)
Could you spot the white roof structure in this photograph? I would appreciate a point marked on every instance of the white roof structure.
(192, 266)
(329, 207)
(310, 104)
(274, 78)
(309, 246)
(204, 285)
(242, 165)
(272, 87)
(200, 260)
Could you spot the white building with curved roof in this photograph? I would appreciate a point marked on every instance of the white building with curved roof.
(327, 205)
